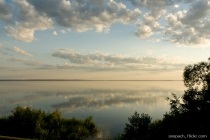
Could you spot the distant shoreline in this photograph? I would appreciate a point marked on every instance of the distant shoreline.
(2, 80)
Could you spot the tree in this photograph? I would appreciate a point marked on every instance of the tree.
(189, 114)
(138, 127)
(197, 74)
(196, 99)
(36, 124)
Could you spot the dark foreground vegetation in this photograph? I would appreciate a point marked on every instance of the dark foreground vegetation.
(189, 115)
(36, 124)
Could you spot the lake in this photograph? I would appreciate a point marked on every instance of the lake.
(109, 102)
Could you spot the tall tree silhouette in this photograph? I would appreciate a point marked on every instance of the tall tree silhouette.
(189, 114)
(191, 111)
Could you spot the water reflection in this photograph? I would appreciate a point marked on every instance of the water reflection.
(110, 103)
(99, 99)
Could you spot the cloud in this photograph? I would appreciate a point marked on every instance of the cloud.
(153, 11)
(5, 11)
(149, 25)
(97, 58)
(63, 31)
(15, 59)
(55, 33)
(28, 21)
(20, 51)
(155, 8)
(33, 15)
(103, 61)
(86, 15)
(89, 97)
(184, 25)
(179, 21)
(197, 11)
(144, 32)
(27, 62)
(190, 27)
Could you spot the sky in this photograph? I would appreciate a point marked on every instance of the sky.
(102, 39)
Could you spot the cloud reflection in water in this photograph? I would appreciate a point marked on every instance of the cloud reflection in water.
(94, 96)
(110, 103)
(99, 99)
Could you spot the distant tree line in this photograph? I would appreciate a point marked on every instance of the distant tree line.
(189, 115)
(37, 124)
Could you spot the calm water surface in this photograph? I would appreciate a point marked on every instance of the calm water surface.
(109, 102)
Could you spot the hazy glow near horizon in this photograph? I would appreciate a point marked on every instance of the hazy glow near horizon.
(102, 39)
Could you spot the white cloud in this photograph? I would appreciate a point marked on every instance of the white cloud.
(186, 25)
(29, 20)
(86, 15)
(176, 6)
(55, 33)
(20, 33)
(149, 24)
(63, 31)
(155, 8)
(179, 21)
(81, 16)
(190, 26)
(20, 51)
(103, 61)
(144, 31)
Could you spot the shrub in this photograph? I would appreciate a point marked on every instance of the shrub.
(36, 124)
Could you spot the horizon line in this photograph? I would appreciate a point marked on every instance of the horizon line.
(83, 80)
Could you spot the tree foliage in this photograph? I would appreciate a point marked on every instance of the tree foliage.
(197, 74)
(189, 114)
(36, 124)
(138, 127)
